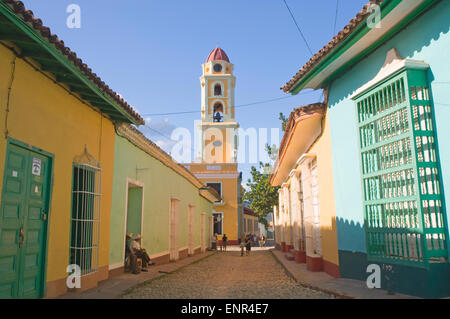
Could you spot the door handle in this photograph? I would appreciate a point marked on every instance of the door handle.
(21, 237)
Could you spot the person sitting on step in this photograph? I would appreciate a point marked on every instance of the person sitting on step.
(138, 252)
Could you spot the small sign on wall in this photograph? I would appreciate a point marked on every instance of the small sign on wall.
(36, 168)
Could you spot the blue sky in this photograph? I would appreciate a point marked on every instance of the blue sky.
(151, 51)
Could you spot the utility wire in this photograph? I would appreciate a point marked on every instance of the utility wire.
(237, 106)
(298, 28)
(335, 17)
(167, 137)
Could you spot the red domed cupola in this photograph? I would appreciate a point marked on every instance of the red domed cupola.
(218, 55)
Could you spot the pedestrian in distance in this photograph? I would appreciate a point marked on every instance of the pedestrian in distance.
(262, 241)
(248, 244)
(242, 244)
(214, 242)
(224, 242)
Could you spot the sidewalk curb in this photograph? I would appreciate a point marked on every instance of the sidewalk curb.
(307, 285)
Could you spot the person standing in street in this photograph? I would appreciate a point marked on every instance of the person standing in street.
(242, 244)
(214, 242)
(262, 241)
(248, 244)
(224, 242)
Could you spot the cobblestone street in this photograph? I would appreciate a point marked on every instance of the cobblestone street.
(227, 275)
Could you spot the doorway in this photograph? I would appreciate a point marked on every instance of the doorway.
(203, 233)
(23, 221)
(191, 229)
(134, 207)
(173, 229)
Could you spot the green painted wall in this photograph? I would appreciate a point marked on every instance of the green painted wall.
(160, 184)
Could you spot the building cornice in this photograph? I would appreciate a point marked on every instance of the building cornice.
(294, 123)
(356, 41)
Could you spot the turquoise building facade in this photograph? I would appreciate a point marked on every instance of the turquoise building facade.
(387, 90)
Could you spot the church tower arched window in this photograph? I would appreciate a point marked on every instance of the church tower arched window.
(218, 111)
(217, 90)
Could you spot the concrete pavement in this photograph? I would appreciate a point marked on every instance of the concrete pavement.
(340, 287)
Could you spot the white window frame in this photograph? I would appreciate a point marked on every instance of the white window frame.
(221, 222)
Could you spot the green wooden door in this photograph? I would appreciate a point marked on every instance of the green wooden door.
(23, 223)
(134, 210)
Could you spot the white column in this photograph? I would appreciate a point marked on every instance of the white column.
(295, 209)
(307, 204)
(282, 215)
(309, 211)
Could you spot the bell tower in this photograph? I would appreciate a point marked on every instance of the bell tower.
(218, 128)
(217, 166)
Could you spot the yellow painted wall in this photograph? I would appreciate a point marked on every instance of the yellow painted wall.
(322, 149)
(44, 115)
(227, 153)
(229, 195)
(230, 209)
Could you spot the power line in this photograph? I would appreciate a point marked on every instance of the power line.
(335, 17)
(298, 28)
(237, 106)
(168, 137)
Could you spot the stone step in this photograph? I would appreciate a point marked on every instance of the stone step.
(289, 256)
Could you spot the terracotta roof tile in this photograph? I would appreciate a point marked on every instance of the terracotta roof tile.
(218, 55)
(27, 15)
(249, 211)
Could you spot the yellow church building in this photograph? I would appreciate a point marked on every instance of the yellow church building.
(217, 165)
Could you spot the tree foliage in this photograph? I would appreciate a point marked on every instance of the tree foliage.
(260, 194)
(283, 120)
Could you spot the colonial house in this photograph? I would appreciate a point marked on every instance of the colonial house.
(250, 223)
(56, 160)
(387, 87)
(305, 219)
(158, 198)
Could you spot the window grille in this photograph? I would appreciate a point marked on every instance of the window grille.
(404, 216)
(86, 196)
(218, 223)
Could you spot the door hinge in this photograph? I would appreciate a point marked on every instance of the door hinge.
(44, 216)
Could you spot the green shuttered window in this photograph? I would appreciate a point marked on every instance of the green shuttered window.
(404, 215)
